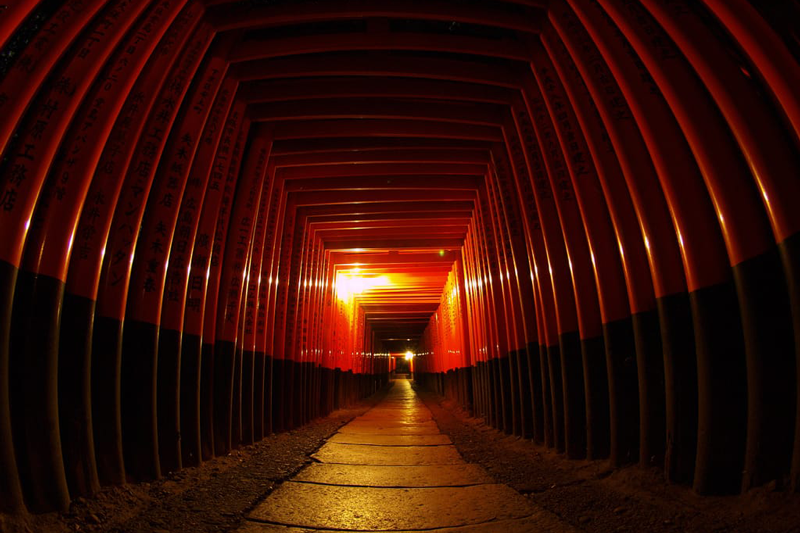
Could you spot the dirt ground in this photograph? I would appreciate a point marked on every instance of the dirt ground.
(213, 497)
(594, 498)
(589, 496)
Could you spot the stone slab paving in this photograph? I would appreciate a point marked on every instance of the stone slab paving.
(538, 522)
(390, 440)
(357, 454)
(392, 470)
(368, 429)
(384, 423)
(378, 509)
(396, 416)
(382, 429)
(395, 476)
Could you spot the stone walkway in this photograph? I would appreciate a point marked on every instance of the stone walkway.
(392, 470)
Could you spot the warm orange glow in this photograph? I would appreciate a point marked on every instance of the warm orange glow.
(349, 285)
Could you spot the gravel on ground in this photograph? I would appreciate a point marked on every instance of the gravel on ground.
(211, 498)
(593, 497)
(588, 495)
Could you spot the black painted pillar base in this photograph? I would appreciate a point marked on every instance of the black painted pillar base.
(207, 383)
(269, 387)
(277, 396)
(75, 395)
(652, 387)
(574, 399)
(722, 390)
(259, 360)
(139, 411)
(34, 391)
(623, 391)
(224, 365)
(598, 422)
(771, 367)
(190, 412)
(556, 396)
(680, 385)
(247, 397)
(790, 256)
(169, 400)
(11, 500)
(535, 384)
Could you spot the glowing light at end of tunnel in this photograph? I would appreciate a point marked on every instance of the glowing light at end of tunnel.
(348, 285)
(409, 356)
(441, 253)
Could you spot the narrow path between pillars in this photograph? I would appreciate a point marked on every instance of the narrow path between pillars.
(391, 469)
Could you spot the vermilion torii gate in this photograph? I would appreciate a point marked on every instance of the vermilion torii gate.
(216, 215)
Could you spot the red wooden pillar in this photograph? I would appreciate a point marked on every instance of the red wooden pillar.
(34, 357)
(195, 414)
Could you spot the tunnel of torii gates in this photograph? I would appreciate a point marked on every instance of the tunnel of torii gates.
(217, 218)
